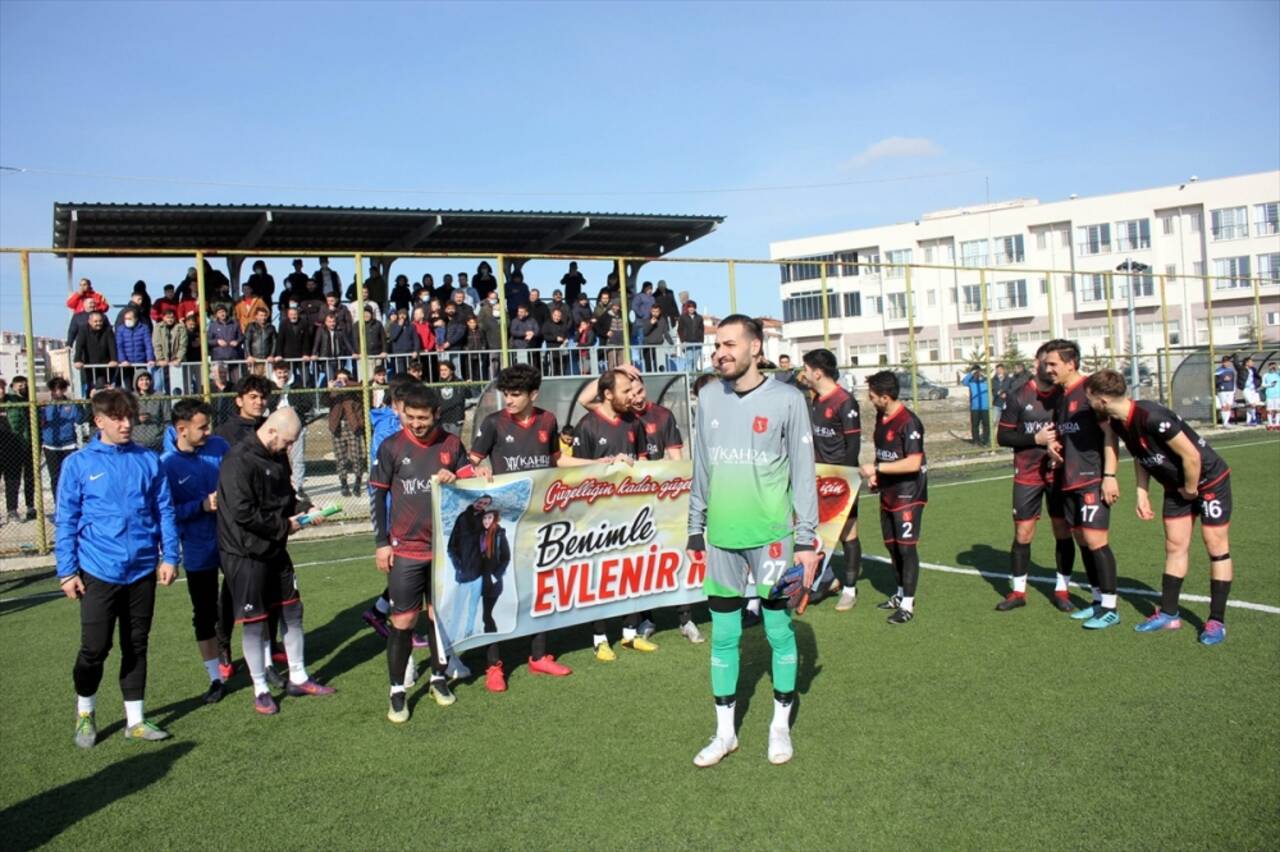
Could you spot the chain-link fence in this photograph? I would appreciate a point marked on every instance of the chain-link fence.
(952, 334)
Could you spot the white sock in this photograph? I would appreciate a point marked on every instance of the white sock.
(781, 715)
(382, 606)
(909, 603)
(724, 721)
(397, 689)
(628, 634)
(260, 684)
(211, 669)
(753, 606)
(1108, 601)
(297, 674)
(1062, 583)
(266, 653)
(1097, 594)
(899, 592)
(1020, 584)
(599, 639)
(86, 703)
(133, 713)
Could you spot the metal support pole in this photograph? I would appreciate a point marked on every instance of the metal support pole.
(1111, 325)
(733, 289)
(1133, 336)
(1164, 325)
(1257, 312)
(826, 312)
(986, 344)
(33, 418)
(911, 343)
(203, 311)
(505, 360)
(1053, 325)
(626, 324)
(1213, 356)
(366, 392)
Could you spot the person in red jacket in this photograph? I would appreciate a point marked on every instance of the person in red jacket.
(83, 302)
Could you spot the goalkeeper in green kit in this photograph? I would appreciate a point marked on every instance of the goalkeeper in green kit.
(753, 515)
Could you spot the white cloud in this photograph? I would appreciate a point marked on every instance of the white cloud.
(895, 146)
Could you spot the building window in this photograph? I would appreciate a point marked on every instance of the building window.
(810, 271)
(1229, 223)
(972, 299)
(853, 304)
(1042, 240)
(846, 264)
(1197, 267)
(1009, 250)
(1011, 295)
(1171, 269)
(1227, 328)
(933, 298)
(897, 306)
(1166, 224)
(801, 307)
(1044, 286)
(1269, 268)
(1091, 288)
(1194, 222)
(872, 355)
(1273, 317)
(1133, 234)
(1232, 273)
(973, 253)
(1093, 239)
(1143, 285)
(900, 256)
(1266, 218)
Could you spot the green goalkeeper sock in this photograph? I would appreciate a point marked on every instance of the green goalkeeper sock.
(782, 639)
(726, 634)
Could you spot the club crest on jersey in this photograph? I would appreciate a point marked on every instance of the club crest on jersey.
(446, 457)
(829, 414)
(1090, 499)
(1208, 496)
(888, 436)
(760, 424)
(775, 550)
(651, 428)
(1071, 406)
(906, 516)
(543, 435)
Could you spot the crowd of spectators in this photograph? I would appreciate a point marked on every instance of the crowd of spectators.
(310, 324)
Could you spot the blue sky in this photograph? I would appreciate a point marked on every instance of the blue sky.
(617, 107)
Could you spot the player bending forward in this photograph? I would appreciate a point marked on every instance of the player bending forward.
(1196, 482)
(752, 472)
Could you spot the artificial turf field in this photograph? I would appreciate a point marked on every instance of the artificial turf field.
(966, 728)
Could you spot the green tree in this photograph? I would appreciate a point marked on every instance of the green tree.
(1013, 360)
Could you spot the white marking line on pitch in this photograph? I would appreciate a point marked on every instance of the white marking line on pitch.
(1149, 593)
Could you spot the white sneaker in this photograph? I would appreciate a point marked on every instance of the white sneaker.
(848, 599)
(715, 751)
(779, 745)
(410, 674)
(456, 669)
(646, 628)
(690, 631)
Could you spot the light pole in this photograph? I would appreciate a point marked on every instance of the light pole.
(1132, 267)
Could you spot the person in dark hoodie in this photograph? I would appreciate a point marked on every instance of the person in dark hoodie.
(264, 286)
(401, 295)
(191, 460)
(257, 512)
(556, 332)
(58, 422)
(115, 523)
(402, 341)
(495, 557)
(464, 551)
(294, 341)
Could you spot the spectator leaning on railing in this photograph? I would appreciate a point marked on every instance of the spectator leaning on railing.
(247, 308)
(259, 338)
(167, 302)
(133, 345)
(225, 338)
(95, 352)
(331, 345)
(58, 422)
(169, 344)
(83, 302)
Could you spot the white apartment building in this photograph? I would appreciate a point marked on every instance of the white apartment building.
(1228, 229)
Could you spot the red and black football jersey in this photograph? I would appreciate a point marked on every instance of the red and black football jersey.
(899, 437)
(660, 431)
(1147, 433)
(513, 445)
(1030, 410)
(1083, 440)
(597, 436)
(837, 427)
(405, 467)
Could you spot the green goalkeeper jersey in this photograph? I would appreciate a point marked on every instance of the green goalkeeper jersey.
(753, 474)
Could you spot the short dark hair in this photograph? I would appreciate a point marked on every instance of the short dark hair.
(1106, 383)
(398, 384)
(342, 371)
(115, 403)
(608, 381)
(251, 383)
(185, 410)
(420, 396)
(1067, 350)
(57, 383)
(520, 377)
(752, 326)
(884, 383)
(821, 359)
(1226, 359)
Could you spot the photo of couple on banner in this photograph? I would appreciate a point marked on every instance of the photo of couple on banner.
(538, 551)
